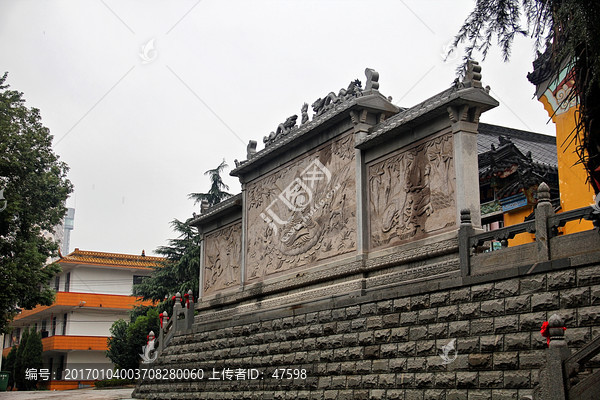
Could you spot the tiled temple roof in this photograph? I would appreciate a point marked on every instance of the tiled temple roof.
(111, 259)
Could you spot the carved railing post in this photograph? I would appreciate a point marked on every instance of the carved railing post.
(552, 383)
(464, 232)
(161, 335)
(189, 315)
(176, 311)
(542, 212)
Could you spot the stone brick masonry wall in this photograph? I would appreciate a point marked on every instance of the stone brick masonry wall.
(385, 346)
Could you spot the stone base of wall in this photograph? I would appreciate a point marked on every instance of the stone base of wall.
(386, 343)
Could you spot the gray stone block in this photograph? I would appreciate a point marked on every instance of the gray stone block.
(447, 313)
(399, 334)
(382, 335)
(518, 304)
(517, 341)
(391, 320)
(423, 380)
(517, 379)
(365, 338)
(532, 321)
(456, 394)
(408, 318)
(482, 292)
(343, 326)
(588, 276)
(401, 305)
(589, 316)
(426, 347)
(351, 312)
(419, 302)
(435, 394)
(368, 309)
(461, 295)
(506, 288)
(504, 394)
(533, 284)
(561, 279)
(469, 310)
(427, 316)
(492, 308)
(491, 379)
(397, 364)
(480, 361)
(385, 306)
(374, 322)
(417, 333)
(544, 301)
(533, 359)
(416, 364)
(458, 328)
(594, 295)
(506, 360)
(438, 299)
(389, 350)
(467, 345)
(445, 379)
(480, 394)
(482, 326)
(466, 379)
(439, 330)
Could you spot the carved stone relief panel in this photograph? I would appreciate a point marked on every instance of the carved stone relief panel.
(304, 212)
(411, 193)
(222, 258)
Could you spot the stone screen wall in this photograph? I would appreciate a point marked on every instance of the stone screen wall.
(302, 213)
(222, 259)
(411, 193)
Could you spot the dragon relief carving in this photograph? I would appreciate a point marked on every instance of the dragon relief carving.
(304, 212)
(411, 194)
(321, 105)
(222, 258)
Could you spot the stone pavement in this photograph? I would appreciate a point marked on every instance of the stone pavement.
(76, 394)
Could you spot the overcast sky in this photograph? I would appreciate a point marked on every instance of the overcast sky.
(143, 97)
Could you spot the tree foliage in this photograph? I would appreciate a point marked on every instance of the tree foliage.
(217, 191)
(8, 364)
(568, 33)
(127, 339)
(180, 272)
(34, 184)
(28, 355)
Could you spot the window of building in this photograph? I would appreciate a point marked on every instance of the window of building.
(44, 329)
(68, 282)
(57, 283)
(53, 326)
(64, 327)
(137, 279)
(17, 336)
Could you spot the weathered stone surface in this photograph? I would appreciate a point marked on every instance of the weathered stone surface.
(506, 288)
(518, 304)
(469, 311)
(492, 308)
(482, 292)
(222, 255)
(589, 316)
(458, 328)
(482, 326)
(461, 295)
(588, 276)
(532, 321)
(517, 341)
(561, 279)
(491, 343)
(517, 379)
(427, 316)
(506, 360)
(480, 361)
(466, 379)
(491, 379)
(544, 301)
(439, 299)
(448, 313)
(533, 284)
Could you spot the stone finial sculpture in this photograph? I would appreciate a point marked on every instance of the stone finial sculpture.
(250, 149)
(372, 79)
(304, 113)
(473, 75)
(282, 129)
(204, 206)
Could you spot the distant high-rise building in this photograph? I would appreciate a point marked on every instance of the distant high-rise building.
(67, 228)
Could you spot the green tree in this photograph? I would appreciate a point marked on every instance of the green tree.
(9, 365)
(127, 339)
(20, 361)
(568, 32)
(32, 356)
(217, 192)
(181, 270)
(34, 189)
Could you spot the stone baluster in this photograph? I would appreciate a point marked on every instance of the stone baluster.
(465, 231)
(543, 210)
(176, 311)
(552, 383)
(161, 334)
(189, 315)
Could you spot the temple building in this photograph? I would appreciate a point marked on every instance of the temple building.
(93, 291)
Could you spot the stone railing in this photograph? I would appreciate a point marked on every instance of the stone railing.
(478, 256)
(565, 376)
(181, 320)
